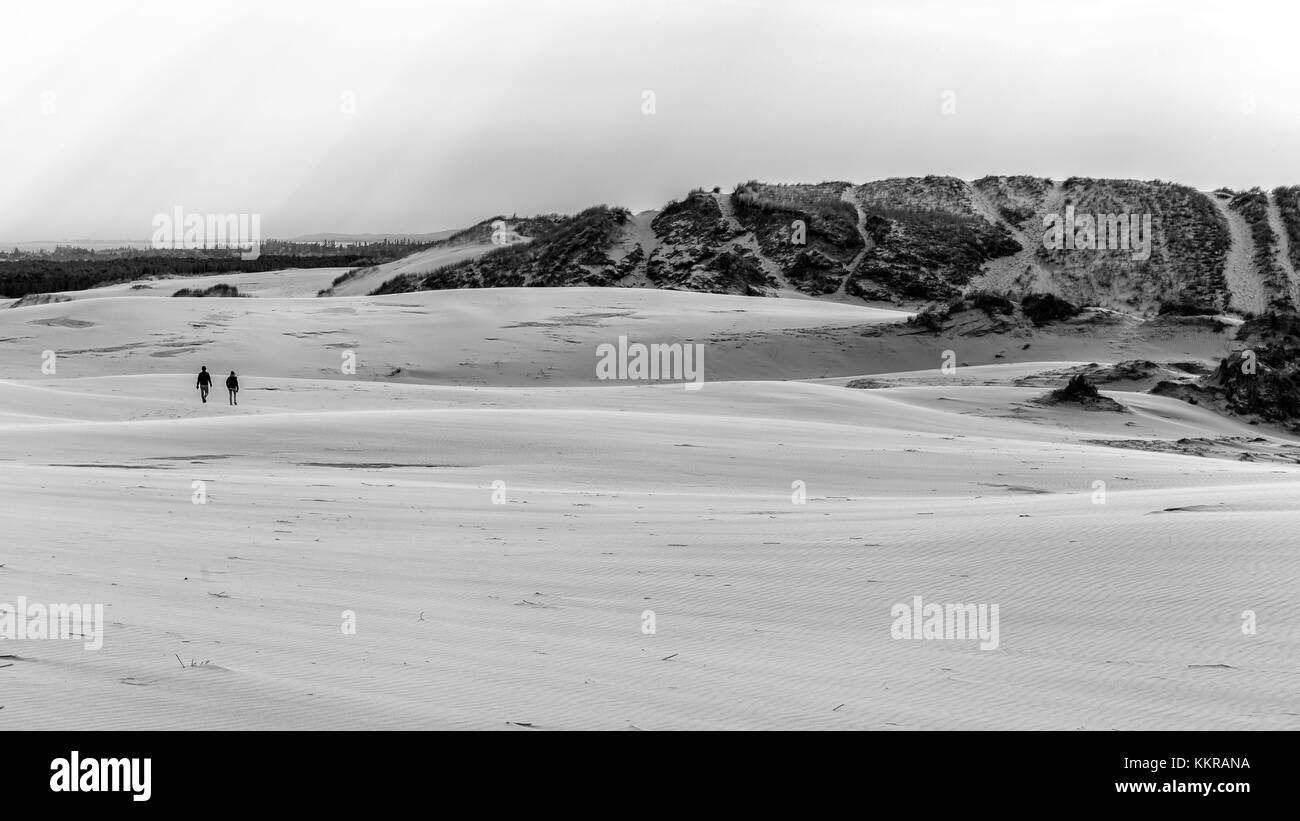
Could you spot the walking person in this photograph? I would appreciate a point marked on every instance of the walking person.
(204, 383)
(232, 385)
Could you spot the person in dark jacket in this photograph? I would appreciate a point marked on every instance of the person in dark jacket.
(204, 383)
(232, 385)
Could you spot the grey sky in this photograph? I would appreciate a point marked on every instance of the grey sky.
(113, 112)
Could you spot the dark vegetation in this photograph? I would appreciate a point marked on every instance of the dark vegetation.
(1272, 391)
(1288, 204)
(1188, 249)
(74, 269)
(1261, 379)
(344, 277)
(990, 303)
(221, 289)
(927, 242)
(695, 251)
(563, 251)
(1183, 308)
(830, 239)
(1041, 309)
(933, 316)
(1079, 391)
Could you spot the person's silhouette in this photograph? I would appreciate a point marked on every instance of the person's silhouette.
(232, 385)
(204, 383)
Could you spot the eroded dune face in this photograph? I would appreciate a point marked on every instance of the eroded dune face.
(469, 528)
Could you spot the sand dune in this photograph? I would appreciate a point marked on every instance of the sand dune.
(329, 492)
(421, 262)
(495, 336)
(295, 282)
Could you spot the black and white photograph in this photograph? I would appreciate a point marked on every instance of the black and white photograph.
(579, 365)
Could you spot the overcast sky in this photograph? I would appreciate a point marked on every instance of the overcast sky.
(414, 117)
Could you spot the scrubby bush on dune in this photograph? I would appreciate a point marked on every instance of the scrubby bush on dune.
(221, 289)
(696, 252)
(729, 271)
(40, 299)
(813, 272)
(1261, 379)
(738, 271)
(1079, 391)
(933, 316)
(1041, 309)
(1260, 383)
(345, 277)
(698, 218)
(990, 303)
(1288, 204)
(1175, 307)
(1076, 390)
(1273, 325)
(400, 284)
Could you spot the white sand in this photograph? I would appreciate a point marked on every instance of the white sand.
(294, 282)
(330, 492)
